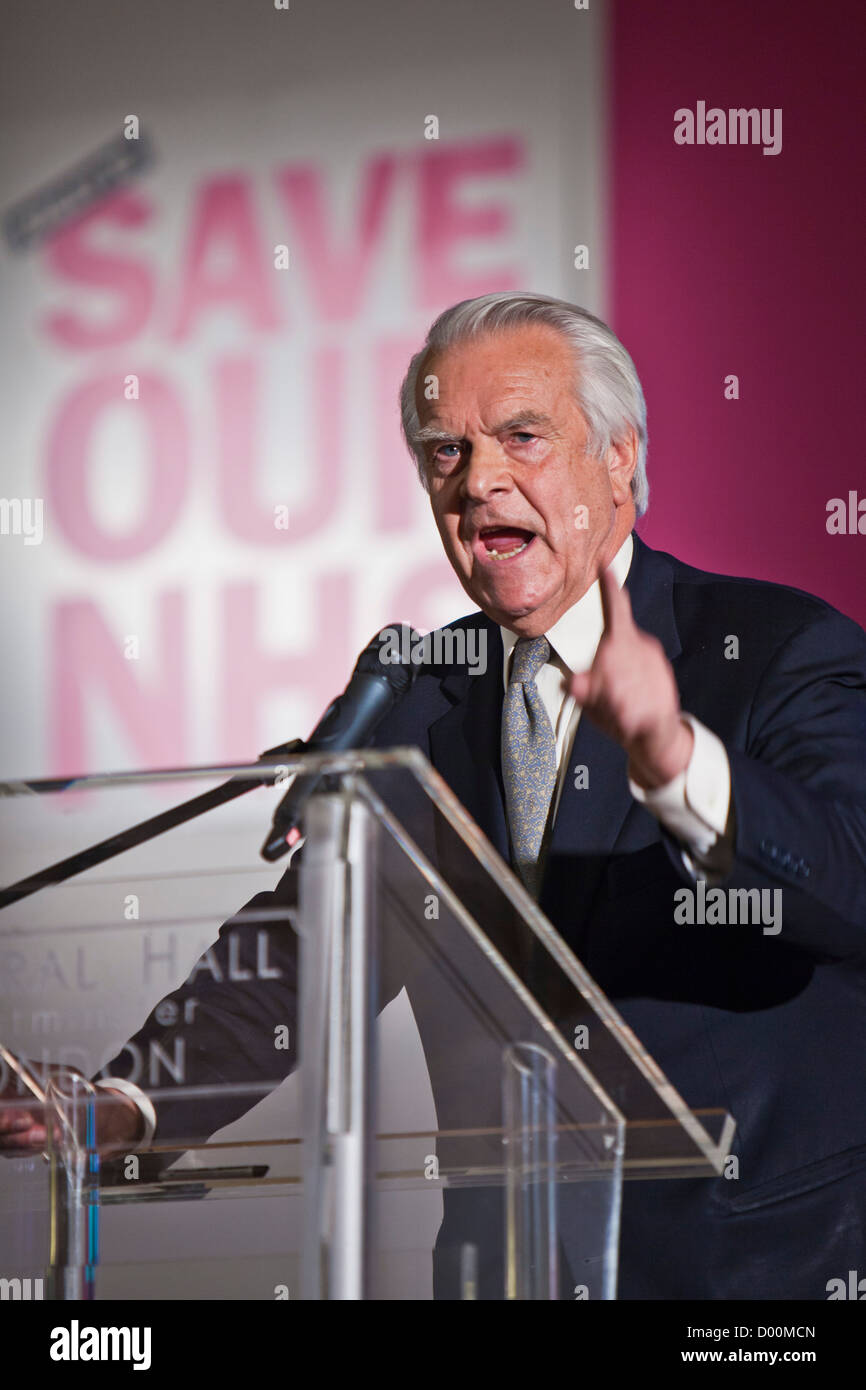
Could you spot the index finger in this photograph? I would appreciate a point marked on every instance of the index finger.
(615, 605)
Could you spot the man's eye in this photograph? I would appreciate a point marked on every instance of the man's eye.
(443, 457)
(522, 435)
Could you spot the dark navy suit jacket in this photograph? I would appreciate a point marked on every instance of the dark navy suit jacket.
(769, 1027)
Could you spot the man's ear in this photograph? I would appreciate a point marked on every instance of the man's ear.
(621, 463)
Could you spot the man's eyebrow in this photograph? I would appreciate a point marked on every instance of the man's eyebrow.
(435, 434)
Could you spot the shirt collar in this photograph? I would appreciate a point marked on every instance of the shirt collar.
(576, 635)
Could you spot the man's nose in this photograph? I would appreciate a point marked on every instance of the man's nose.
(487, 471)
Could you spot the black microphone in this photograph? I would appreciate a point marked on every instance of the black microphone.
(383, 673)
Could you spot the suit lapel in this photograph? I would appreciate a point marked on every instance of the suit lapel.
(464, 742)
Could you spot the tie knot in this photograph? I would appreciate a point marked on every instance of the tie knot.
(530, 654)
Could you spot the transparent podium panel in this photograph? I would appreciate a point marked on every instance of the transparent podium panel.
(374, 1072)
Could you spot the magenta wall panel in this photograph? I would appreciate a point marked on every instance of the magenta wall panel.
(726, 260)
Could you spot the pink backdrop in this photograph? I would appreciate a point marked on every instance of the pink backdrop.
(168, 616)
(729, 261)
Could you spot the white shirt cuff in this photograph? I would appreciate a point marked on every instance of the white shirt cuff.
(695, 805)
(142, 1102)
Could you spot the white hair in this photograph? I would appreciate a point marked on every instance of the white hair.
(607, 386)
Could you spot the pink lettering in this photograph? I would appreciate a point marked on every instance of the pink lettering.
(224, 229)
(251, 676)
(444, 225)
(238, 446)
(338, 279)
(72, 256)
(88, 660)
(396, 490)
(69, 445)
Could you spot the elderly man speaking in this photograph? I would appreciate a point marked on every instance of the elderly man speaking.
(744, 767)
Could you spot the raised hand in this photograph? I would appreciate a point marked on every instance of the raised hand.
(631, 693)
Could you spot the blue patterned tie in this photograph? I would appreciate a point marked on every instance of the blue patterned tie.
(528, 758)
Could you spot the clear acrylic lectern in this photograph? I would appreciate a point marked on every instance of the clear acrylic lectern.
(379, 1074)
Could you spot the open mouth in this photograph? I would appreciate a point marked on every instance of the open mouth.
(499, 543)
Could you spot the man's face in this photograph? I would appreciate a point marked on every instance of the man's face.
(509, 480)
